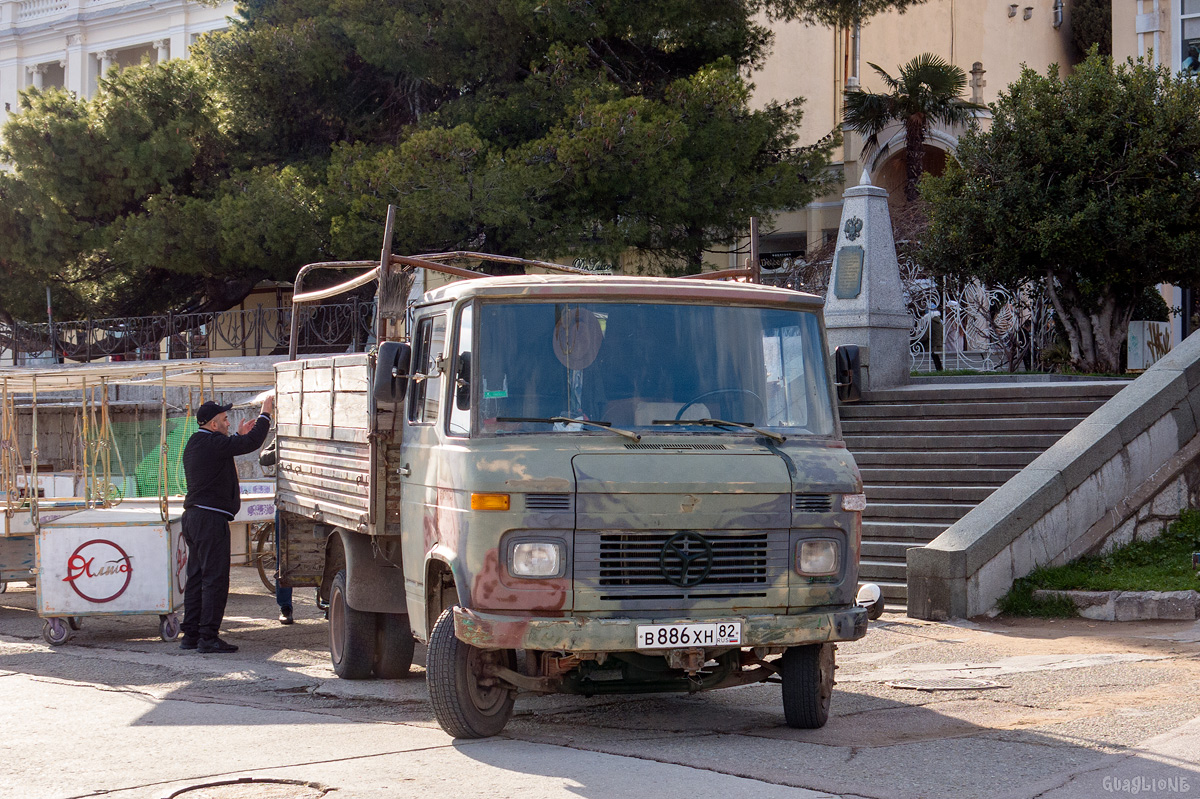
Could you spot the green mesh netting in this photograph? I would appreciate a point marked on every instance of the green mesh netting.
(148, 473)
(133, 450)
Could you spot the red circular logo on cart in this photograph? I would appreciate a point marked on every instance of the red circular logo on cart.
(181, 559)
(99, 570)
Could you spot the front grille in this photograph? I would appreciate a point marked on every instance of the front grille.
(631, 559)
(812, 503)
(547, 501)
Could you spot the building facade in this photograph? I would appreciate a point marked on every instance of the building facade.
(71, 43)
(989, 39)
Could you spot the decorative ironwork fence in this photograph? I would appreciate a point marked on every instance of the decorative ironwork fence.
(339, 327)
(956, 325)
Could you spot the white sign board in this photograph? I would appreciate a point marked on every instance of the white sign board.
(1147, 342)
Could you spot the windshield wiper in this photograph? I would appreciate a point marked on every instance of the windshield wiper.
(722, 423)
(569, 420)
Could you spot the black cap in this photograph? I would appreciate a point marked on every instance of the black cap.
(209, 411)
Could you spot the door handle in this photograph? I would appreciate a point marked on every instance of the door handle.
(404, 471)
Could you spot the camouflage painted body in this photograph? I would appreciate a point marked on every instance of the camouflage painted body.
(609, 501)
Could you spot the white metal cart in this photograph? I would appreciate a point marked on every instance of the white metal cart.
(99, 553)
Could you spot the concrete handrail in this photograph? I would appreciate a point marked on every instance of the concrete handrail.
(1125, 471)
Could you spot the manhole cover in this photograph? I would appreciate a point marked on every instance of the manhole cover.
(249, 788)
(945, 684)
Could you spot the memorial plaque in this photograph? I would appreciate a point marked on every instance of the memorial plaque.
(847, 277)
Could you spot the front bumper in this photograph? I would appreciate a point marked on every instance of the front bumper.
(591, 634)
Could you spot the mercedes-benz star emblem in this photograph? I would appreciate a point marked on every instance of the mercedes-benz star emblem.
(686, 559)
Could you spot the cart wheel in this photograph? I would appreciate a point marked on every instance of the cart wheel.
(168, 627)
(74, 622)
(264, 554)
(55, 632)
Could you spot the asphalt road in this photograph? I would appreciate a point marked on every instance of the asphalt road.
(1059, 710)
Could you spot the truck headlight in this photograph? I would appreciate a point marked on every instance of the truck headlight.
(817, 557)
(535, 559)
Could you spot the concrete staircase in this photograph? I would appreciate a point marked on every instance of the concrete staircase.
(931, 451)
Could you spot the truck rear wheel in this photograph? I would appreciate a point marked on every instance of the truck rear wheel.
(807, 674)
(394, 646)
(351, 634)
(466, 702)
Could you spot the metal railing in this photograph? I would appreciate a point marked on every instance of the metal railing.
(334, 327)
(956, 325)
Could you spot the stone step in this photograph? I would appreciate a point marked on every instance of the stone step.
(895, 593)
(889, 551)
(919, 533)
(973, 410)
(972, 494)
(876, 476)
(910, 442)
(1019, 424)
(873, 571)
(916, 512)
(930, 452)
(982, 459)
(969, 391)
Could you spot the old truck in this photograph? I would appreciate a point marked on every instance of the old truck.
(580, 484)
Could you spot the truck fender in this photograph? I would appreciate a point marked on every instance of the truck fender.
(440, 561)
(374, 577)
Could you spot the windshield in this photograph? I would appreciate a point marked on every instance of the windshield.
(646, 366)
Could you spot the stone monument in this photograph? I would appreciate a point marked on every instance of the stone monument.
(865, 302)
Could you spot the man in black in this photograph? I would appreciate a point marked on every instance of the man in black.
(213, 499)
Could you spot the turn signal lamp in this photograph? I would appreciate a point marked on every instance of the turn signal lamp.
(854, 502)
(489, 502)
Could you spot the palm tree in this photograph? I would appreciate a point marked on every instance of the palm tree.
(926, 91)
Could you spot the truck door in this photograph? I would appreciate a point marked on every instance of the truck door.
(419, 473)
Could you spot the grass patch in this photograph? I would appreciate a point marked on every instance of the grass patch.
(1162, 564)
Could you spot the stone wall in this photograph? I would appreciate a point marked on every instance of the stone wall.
(1124, 472)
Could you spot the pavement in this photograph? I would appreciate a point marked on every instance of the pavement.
(1067, 709)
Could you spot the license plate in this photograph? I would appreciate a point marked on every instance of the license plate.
(672, 636)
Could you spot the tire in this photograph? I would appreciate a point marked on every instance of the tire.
(55, 632)
(168, 627)
(264, 554)
(807, 673)
(351, 634)
(462, 706)
(394, 646)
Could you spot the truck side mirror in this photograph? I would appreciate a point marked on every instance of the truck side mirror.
(391, 371)
(462, 382)
(846, 374)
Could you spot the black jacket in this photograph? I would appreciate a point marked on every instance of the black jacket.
(212, 480)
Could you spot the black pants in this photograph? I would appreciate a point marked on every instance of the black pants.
(207, 588)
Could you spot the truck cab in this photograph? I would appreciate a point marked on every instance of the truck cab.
(589, 485)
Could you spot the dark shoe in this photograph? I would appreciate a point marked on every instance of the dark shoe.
(189, 642)
(209, 645)
(285, 615)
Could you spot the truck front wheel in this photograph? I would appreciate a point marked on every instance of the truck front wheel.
(466, 701)
(807, 674)
(351, 634)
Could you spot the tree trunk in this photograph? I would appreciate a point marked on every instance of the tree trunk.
(914, 156)
(1095, 336)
